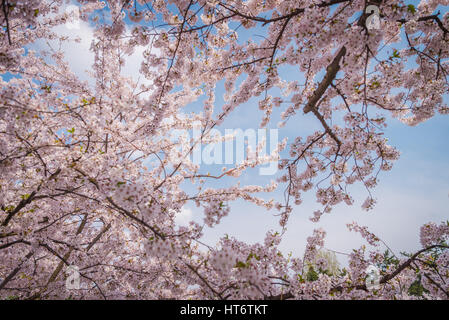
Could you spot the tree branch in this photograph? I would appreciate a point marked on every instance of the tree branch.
(331, 72)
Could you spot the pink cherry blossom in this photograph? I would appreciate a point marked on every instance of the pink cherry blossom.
(89, 176)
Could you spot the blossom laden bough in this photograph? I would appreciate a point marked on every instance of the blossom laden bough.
(90, 177)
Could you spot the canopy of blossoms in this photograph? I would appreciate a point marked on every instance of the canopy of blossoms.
(77, 186)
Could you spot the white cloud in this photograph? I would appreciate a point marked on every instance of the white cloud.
(184, 217)
(78, 54)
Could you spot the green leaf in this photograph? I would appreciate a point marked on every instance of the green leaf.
(8, 208)
(252, 255)
(375, 84)
(411, 8)
(311, 275)
(396, 54)
(416, 288)
(46, 88)
(25, 196)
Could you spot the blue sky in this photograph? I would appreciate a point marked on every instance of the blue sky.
(414, 192)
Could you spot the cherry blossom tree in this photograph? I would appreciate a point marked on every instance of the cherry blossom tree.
(89, 176)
